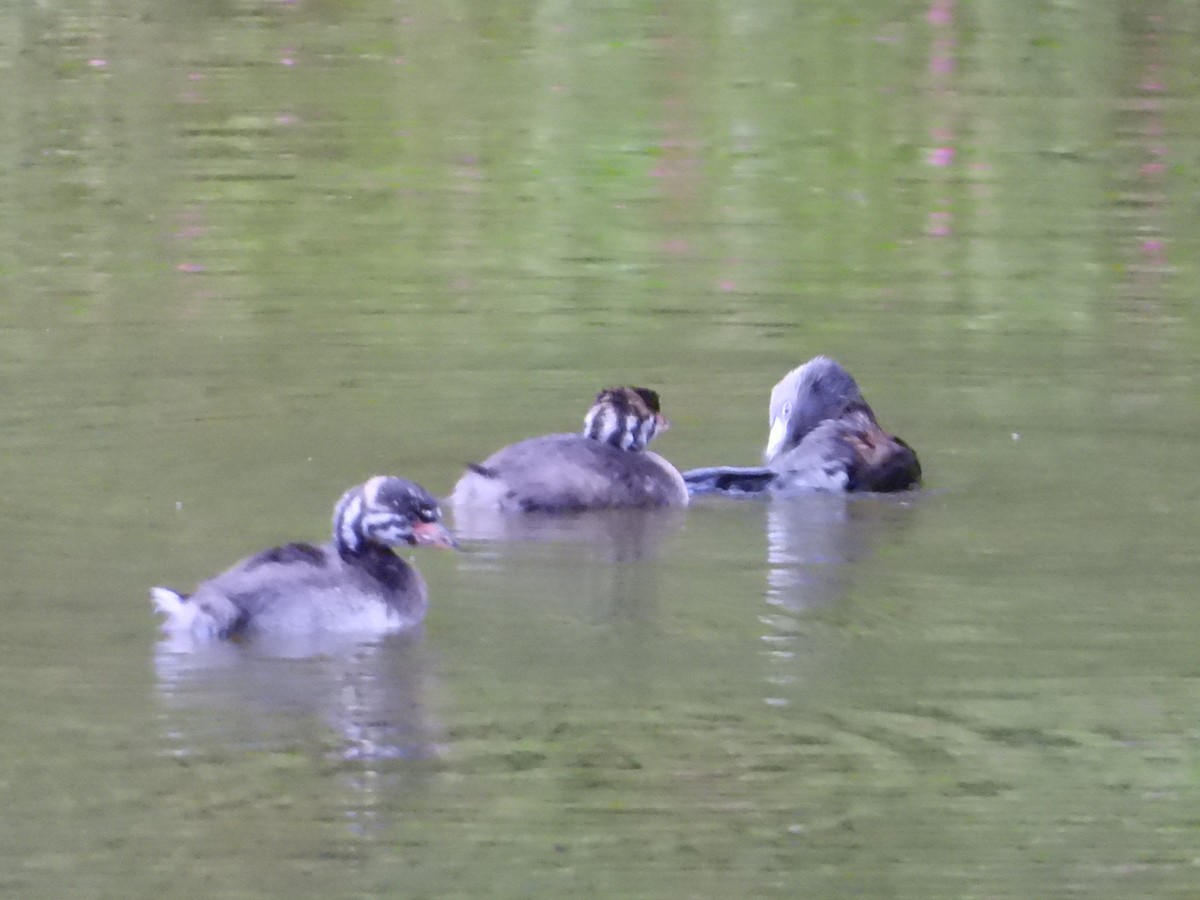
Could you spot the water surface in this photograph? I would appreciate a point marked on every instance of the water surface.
(252, 253)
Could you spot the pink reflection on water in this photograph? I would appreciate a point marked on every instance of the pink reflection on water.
(940, 156)
(191, 226)
(1144, 191)
(674, 161)
(940, 12)
(939, 223)
(943, 66)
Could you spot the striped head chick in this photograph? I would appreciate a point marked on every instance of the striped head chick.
(386, 512)
(627, 418)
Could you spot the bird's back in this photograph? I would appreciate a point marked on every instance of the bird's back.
(301, 587)
(563, 472)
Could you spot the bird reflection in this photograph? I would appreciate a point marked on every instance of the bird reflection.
(625, 534)
(361, 701)
(811, 540)
(599, 561)
(813, 543)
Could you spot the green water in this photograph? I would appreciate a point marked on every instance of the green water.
(252, 253)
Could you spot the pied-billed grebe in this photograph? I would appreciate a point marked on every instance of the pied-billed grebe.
(605, 467)
(354, 583)
(823, 436)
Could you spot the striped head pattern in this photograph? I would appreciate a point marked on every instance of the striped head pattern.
(386, 512)
(625, 417)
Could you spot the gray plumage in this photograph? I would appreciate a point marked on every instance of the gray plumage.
(805, 397)
(823, 436)
(606, 467)
(354, 583)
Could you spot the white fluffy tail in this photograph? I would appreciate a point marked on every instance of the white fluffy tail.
(182, 616)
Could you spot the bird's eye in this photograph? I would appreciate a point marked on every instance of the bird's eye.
(786, 412)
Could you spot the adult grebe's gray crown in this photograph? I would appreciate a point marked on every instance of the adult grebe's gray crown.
(806, 396)
(823, 436)
(388, 511)
(627, 418)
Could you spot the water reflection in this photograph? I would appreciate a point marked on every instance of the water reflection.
(621, 534)
(1140, 203)
(811, 541)
(944, 107)
(600, 562)
(359, 700)
(391, 231)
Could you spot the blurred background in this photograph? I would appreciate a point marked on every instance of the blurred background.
(252, 253)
